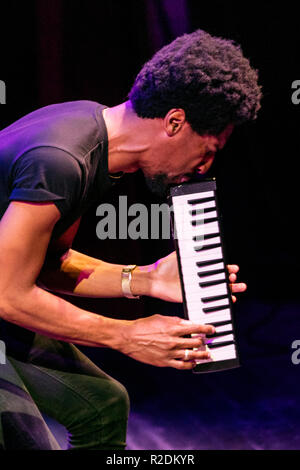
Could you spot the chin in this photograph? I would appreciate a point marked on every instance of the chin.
(158, 184)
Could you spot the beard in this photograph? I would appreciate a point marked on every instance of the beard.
(158, 184)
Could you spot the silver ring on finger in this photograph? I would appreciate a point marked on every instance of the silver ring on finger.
(186, 354)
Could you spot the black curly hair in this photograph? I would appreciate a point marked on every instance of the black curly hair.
(206, 76)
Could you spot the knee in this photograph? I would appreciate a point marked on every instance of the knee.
(117, 402)
(102, 424)
(107, 399)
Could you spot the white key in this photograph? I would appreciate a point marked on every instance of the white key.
(196, 315)
(190, 244)
(186, 230)
(204, 244)
(195, 292)
(210, 267)
(211, 227)
(220, 329)
(192, 286)
(202, 205)
(211, 291)
(203, 215)
(222, 353)
(189, 258)
(199, 307)
(194, 299)
(193, 277)
(212, 277)
(190, 275)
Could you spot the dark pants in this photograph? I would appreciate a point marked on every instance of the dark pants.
(59, 380)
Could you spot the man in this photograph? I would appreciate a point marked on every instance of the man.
(54, 163)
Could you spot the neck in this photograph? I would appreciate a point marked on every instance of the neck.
(129, 138)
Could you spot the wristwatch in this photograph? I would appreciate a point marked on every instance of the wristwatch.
(126, 280)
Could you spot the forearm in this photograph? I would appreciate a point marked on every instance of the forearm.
(49, 315)
(82, 275)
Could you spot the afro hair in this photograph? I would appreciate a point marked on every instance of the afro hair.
(206, 76)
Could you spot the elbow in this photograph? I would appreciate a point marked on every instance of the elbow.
(11, 305)
(5, 311)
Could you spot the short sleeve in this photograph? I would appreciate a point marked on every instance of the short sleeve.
(47, 174)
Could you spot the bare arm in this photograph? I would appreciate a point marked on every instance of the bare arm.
(75, 273)
(78, 274)
(25, 231)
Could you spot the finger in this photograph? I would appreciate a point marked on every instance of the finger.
(185, 365)
(232, 278)
(187, 328)
(193, 354)
(189, 343)
(238, 287)
(233, 268)
(181, 365)
(233, 298)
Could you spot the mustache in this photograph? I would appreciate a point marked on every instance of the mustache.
(160, 184)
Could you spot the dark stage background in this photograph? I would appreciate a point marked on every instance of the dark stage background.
(62, 50)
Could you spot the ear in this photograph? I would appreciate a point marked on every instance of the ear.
(174, 121)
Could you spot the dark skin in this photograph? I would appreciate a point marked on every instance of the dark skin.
(25, 233)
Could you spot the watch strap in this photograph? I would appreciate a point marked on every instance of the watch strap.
(126, 281)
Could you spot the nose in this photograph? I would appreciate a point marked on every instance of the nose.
(205, 165)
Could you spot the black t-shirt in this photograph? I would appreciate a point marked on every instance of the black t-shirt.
(57, 153)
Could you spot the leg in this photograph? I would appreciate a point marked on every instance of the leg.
(67, 386)
(21, 425)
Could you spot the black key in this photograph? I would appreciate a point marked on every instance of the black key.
(201, 200)
(221, 323)
(219, 345)
(215, 309)
(212, 283)
(202, 211)
(211, 273)
(207, 247)
(204, 221)
(206, 236)
(208, 262)
(214, 298)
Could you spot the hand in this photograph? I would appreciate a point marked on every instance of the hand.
(165, 279)
(234, 286)
(166, 283)
(158, 340)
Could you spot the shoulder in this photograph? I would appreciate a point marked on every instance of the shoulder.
(50, 158)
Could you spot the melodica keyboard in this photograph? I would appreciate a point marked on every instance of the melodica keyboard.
(202, 269)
